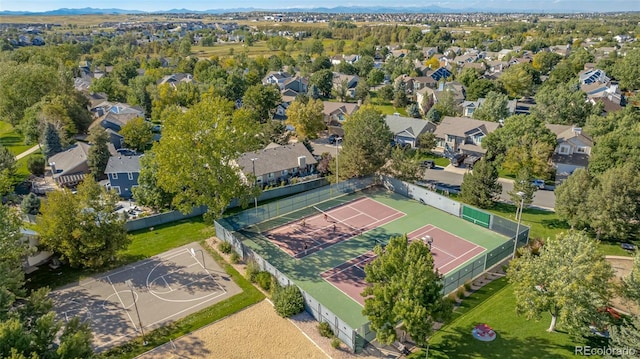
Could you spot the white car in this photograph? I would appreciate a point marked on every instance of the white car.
(538, 183)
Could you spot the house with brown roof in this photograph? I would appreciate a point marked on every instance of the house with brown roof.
(462, 135)
(335, 113)
(69, 167)
(277, 164)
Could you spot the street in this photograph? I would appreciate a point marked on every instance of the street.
(451, 178)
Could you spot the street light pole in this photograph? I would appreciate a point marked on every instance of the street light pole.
(519, 218)
(255, 199)
(338, 139)
(135, 304)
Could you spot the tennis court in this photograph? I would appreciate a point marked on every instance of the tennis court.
(448, 250)
(325, 228)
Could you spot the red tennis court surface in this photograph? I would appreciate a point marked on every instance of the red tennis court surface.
(448, 250)
(314, 233)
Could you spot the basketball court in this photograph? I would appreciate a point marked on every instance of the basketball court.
(310, 234)
(140, 297)
(448, 250)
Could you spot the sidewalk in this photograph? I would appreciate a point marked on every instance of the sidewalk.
(27, 152)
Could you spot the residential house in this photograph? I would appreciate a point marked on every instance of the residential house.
(38, 256)
(297, 83)
(277, 164)
(462, 135)
(123, 172)
(406, 130)
(350, 80)
(114, 116)
(469, 107)
(69, 167)
(572, 150)
(441, 73)
(335, 113)
(276, 78)
(591, 76)
(174, 79)
(454, 87)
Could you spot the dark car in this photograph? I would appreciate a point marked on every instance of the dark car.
(333, 139)
(457, 159)
(428, 164)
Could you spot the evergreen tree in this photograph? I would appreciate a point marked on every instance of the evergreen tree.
(30, 204)
(99, 152)
(52, 143)
(522, 184)
(480, 187)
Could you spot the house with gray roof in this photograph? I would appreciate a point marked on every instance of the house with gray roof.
(406, 130)
(123, 173)
(277, 164)
(335, 113)
(463, 135)
(572, 150)
(69, 167)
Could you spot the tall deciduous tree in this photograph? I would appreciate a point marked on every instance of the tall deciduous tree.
(494, 108)
(563, 104)
(523, 189)
(137, 133)
(99, 152)
(518, 80)
(262, 100)
(323, 81)
(306, 117)
(568, 279)
(148, 193)
(366, 143)
(404, 165)
(627, 70)
(572, 199)
(405, 288)
(196, 155)
(84, 227)
(627, 334)
(614, 209)
(480, 187)
(12, 250)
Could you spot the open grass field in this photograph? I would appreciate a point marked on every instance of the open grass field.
(11, 139)
(517, 337)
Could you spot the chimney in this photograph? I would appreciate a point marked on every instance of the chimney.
(577, 131)
(53, 167)
(441, 86)
(302, 161)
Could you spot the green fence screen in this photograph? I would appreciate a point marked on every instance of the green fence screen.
(476, 216)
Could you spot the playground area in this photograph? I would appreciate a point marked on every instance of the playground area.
(448, 250)
(126, 302)
(313, 233)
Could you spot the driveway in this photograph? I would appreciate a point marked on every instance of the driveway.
(451, 178)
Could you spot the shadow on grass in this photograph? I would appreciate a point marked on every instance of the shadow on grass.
(555, 224)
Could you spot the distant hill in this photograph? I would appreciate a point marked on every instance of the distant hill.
(83, 11)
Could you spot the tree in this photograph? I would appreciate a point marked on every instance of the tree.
(98, 153)
(627, 334)
(517, 80)
(362, 91)
(494, 108)
(480, 187)
(366, 143)
(375, 77)
(196, 155)
(341, 91)
(572, 199)
(288, 301)
(480, 88)
(12, 250)
(400, 95)
(545, 61)
(404, 165)
(563, 104)
(137, 133)
(386, 92)
(307, 118)
(446, 104)
(323, 80)
(523, 189)
(532, 154)
(262, 100)
(569, 279)
(30, 204)
(413, 110)
(404, 288)
(614, 209)
(148, 193)
(35, 165)
(433, 115)
(427, 141)
(52, 143)
(627, 70)
(83, 228)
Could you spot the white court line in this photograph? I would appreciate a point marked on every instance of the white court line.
(206, 270)
(378, 202)
(353, 265)
(167, 284)
(464, 261)
(122, 303)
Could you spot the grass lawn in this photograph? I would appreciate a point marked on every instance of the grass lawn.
(517, 337)
(250, 295)
(543, 224)
(438, 160)
(11, 139)
(144, 244)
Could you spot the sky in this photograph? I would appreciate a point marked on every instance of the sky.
(159, 5)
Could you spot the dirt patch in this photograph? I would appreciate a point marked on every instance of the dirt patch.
(622, 267)
(256, 332)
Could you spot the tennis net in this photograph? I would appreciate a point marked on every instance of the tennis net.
(336, 221)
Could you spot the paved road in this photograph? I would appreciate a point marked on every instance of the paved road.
(448, 179)
(27, 152)
(322, 145)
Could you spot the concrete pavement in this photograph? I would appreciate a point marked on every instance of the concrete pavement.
(27, 152)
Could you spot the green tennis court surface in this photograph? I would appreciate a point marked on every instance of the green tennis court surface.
(306, 271)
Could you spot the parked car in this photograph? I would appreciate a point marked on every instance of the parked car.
(334, 138)
(428, 164)
(457, 159)
(538, 183)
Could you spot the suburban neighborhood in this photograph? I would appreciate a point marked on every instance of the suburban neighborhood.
(356, 183)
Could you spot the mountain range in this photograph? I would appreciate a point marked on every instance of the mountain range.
(340, 10)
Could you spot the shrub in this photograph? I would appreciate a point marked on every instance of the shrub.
(264, 280)
(335, 343)
(224, 247)
(35, 165)
(461, 291)
(288, 301)
(453, 297)
(467, 285)
(325, 330)
(252, 270)
(234, 258)
(30, 204)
